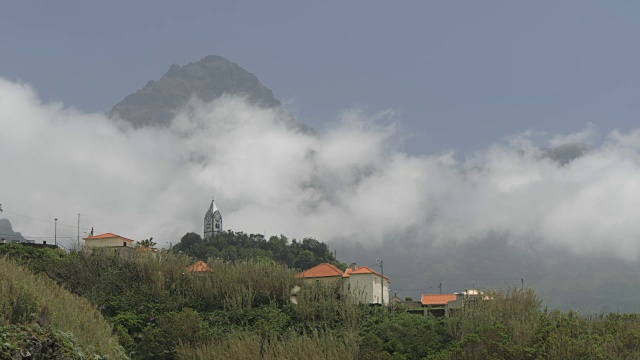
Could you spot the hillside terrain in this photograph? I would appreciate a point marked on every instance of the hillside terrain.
(241, 309)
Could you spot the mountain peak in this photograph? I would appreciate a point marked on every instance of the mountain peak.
(208, 79)
(7, 233)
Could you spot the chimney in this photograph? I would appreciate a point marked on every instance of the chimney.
(353, 267)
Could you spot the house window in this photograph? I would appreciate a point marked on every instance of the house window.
(124, 243)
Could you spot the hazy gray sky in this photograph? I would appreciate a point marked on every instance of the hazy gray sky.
(470, 77)
(461, 75)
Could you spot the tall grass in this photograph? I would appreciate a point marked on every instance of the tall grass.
(318, 345)
(512, 324)
(25, 298)
(231, 286)
(515, 309)
(323, 306)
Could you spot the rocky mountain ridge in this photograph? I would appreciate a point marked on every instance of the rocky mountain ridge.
(208, 79)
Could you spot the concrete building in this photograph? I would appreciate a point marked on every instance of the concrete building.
(444, 305)
(108, 240)
(440, 304)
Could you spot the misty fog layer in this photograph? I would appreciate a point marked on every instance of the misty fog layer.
(350, 183)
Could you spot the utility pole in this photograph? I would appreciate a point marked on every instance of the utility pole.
(55, 232)
(440, 287)
(381, 282)
(78, 243)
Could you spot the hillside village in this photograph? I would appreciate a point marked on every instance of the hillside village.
(123, 299)
(363, 284)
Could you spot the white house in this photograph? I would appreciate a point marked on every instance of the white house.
(107, 240)
(365, 284)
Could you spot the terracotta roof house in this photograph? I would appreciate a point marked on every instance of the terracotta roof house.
(108, 240)
(441, 304)
(326, 274)
(365, 284)
(199, 267)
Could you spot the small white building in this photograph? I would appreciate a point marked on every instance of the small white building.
(367, 285)
(107, 240)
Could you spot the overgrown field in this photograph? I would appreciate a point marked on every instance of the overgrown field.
(38, 316)
(241, 310)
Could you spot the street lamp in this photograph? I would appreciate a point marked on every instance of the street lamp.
(55, 232)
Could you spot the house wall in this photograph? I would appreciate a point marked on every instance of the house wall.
(106, 242)
(367, 288)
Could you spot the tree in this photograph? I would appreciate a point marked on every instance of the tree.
(146, 243)
(187, 244)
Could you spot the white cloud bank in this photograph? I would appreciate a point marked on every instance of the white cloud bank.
(349, 183)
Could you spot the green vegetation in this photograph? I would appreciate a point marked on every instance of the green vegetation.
(240, 246)
(35, 311)
(241, 310)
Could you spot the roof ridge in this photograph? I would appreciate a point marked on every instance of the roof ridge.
(370, 270)
(322, 270)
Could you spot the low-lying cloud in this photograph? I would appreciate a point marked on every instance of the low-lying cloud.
(350, 182)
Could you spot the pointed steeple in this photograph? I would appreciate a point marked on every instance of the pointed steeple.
(212, 221)
(213, 208)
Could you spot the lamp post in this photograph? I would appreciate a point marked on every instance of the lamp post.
(55, 232)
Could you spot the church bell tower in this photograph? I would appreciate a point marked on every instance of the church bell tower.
(212, 221)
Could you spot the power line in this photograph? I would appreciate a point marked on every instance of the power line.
(427, 288)
(35, 237)
(46, 221)
(108, 221)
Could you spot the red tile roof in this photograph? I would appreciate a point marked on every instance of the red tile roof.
(106, 236)
(322, 270)
(364, 270)
(200, 266)
(437, 299)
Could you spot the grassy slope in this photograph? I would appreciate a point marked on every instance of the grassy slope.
(26, 298)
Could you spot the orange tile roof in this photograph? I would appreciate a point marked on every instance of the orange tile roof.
(365, 270)
(106, 236)
(200, 266)
(437, 299)
(322, 270)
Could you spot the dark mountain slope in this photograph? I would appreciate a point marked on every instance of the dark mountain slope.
(7, 233)
(207, 79)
